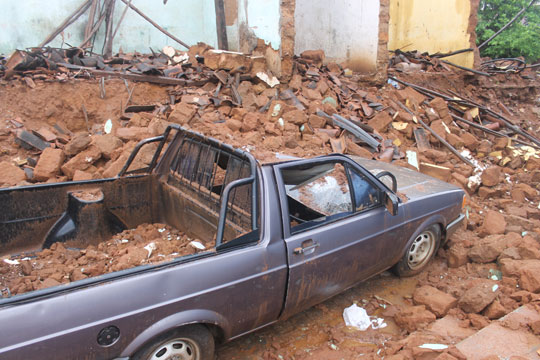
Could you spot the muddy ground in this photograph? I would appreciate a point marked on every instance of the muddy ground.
(490, 268)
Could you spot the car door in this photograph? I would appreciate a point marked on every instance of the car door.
(336, 227)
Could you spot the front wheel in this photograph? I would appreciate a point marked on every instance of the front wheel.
(420, 252)
(192, 342)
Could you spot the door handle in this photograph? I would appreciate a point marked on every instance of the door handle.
(307, 247)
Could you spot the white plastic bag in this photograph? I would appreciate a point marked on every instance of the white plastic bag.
(357, 317)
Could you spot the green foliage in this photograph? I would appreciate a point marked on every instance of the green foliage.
(522, 38)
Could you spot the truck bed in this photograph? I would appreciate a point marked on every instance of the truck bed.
(61, 264)
(56, 234)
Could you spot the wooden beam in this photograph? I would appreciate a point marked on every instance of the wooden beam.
(221, 26)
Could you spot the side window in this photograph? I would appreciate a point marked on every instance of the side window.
(316, 193)
(366, 195)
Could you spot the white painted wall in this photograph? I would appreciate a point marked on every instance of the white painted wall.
(26, 23)
(347, 30)
(261, 17)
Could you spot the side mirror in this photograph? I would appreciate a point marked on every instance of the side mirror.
(387, 174)
(391, 203)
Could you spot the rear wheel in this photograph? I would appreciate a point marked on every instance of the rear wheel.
(192, 342)
(420, 252)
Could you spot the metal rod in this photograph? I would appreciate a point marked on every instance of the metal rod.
(450, 147)
(465, 68)
(440, 56)
(491, 132)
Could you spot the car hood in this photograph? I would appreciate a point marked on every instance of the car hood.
(409, 182)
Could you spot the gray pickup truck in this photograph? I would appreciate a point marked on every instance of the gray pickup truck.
(287, 235)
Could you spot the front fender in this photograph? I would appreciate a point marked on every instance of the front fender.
(433, 219)
(196, 316)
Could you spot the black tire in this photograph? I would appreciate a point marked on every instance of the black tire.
(194, 342)
(420, 252)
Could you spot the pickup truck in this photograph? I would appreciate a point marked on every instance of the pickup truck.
(287, 235)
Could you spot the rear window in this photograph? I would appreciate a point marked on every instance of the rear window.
(203, 171)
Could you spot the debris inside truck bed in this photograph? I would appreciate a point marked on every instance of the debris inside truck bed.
(146, 244)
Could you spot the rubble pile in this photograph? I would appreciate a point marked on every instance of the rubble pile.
(146, 244)
(476, 131)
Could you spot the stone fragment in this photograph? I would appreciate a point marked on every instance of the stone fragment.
(450, 326)
(311, 94)
(494, 223)
(487, 251)
(47, 283)
(297, 117)
(316, 122)
(446, 356)
(26, 268)
(132, 133)
(486, 193)
(380, 121)
(491, 176)
(484, 147)
(226, 60)
(438, 127)
(49, 163)
(250, 122)
(436, 156)
(454, 140)
(500, 143)
(11, 174)
(46, 134)
(182, 113)
(296, 82)
(495, 310)
(477, 298)
(436, 301)
(78, 143)
(478, 321)
(439, 105)
(413, 318)
(469, 140)
(533, 163)
(529, 276)
(80, 175)
(157, 126)
(316, 57)
(355, 149)
(530, 192)
(234, 125)
(113, 167)
(76, 275)
(81, 161)
(457, 256)
(107, 144)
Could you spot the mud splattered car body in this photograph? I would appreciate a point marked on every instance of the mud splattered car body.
(278, 249)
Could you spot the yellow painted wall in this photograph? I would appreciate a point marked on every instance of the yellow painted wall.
(432, 26)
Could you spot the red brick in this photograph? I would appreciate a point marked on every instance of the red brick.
(48, 165)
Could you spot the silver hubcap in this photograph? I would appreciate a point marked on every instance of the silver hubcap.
(421, 250)
(177, 349)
